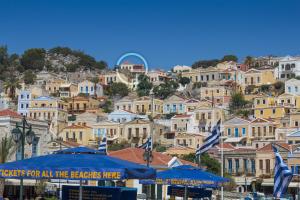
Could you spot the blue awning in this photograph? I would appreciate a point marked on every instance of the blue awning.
(188, 176)
(76, 164)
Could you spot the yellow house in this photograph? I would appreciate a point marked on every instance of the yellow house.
(52, 86)
(80, 134)
(207, 116)
(267, 107)
(265, 159)
(68, 90)
(236, 131)
(294, 118)
(193, 75)
(49, 109)
(259, 77)
(113, 131)
(143, 105)
(263, 129)
(81, 104)
(217, 94)
(190, 140)
(289, 100)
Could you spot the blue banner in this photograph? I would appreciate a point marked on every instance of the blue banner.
(98, 193)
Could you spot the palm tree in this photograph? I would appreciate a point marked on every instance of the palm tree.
(6, 150)
(95, 80)
(249, 61)
(11, 84)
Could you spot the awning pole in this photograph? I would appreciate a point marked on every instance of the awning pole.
(80, 190)
(185, 193)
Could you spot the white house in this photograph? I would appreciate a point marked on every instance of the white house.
(288, 67)
(88, 87)
(123, 116)
(24, 99)
(292, 86)
(181, 68)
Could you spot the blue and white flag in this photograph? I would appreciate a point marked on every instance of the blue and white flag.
(282, 175)
(211, 140)
(147, 145)
(103, 146)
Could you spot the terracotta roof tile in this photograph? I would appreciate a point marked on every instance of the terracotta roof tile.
(268, 147)
(136, 155)
(181, 116)
(10, 113)
(77, 127)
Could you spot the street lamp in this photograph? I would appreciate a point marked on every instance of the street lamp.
(20, 135)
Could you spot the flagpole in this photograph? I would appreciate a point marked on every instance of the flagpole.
(222, 167)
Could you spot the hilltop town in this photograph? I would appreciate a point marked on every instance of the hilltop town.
(71, 99)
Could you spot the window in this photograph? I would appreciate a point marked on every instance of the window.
(257, 101)
(213, 77)
(244, 131)
(35, 147)
(253, 166)
(261, 165)
(296, 89)
(237, 165)
(229, 132)
(296, 123)
(74, 136)
(92, 89)
(289, 89)
(229, 166)
(22, 106)
(268, 169)
(245, 165)
(282, 76)
(273, 111)
(258, 79)
(129, 133)
(80, 135)
(261, 112)
(236, 132)
(264, 101)
(22, 96)
(27, 96)
(67, 135)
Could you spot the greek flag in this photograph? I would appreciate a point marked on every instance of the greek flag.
(211, 140)
(147, 145)
(102, 146)
(282, 175)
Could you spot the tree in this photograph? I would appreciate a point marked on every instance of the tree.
(230, 58)
(205, 63)
(265, 88)
(249, 61)
(29, 77)
(184, 80)
(278, 87)
(6, 150)
(212, 164)
(101, 65)
(11, 84)
(34, 59)
(144, 86)
(165, 89)
(120, 89)
(107, 106)
(237, 102)
(72, 67)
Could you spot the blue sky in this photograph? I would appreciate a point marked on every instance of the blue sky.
(165, 32)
